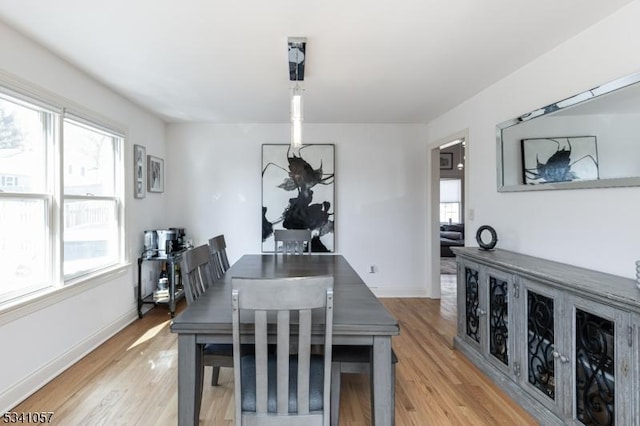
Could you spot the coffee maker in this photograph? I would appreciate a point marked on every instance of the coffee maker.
(180, 237)
(163, 242)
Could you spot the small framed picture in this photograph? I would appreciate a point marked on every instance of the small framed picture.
(139, 172)
(155, 174)
(446, 161)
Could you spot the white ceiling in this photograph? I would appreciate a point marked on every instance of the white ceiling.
(368, 61)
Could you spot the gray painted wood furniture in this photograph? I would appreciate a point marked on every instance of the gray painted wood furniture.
(358, 319)
(282, 388)
(292, 241)
(561, 340)
(354, 360)
(218, 247)
(196, 268)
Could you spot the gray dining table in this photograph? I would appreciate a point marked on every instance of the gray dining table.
(359, 318)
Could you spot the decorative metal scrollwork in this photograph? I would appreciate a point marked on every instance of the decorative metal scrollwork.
(499, 319)
(541, 340)
(595, 372)
(472, 304)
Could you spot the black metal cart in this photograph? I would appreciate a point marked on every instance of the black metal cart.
(176, 292)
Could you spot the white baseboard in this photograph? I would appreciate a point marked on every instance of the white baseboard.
(399, 291)
(17, 393)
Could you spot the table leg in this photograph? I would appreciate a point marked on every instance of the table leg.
(382, 394)
(139, 287)
(189, 372)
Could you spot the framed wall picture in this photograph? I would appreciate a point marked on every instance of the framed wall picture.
(298, 193)
(559, 159)
(155, 174)
(446, 161)
(139, 171)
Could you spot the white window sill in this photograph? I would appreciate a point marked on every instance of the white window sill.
(25, 305)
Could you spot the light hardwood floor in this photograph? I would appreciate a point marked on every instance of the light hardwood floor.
(132, 378)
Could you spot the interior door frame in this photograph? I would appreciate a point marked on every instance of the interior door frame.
(433, 203)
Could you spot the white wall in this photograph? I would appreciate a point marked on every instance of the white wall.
(38, 345)
(213, 183)
(593, 228)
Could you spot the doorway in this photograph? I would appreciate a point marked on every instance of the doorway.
(448, 192)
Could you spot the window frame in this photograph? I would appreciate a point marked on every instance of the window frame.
(457, 202)
(58, 286)
(458, 220)
(117, 198)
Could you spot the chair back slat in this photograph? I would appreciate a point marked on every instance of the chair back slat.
(282, 362)
(224, 260)
(216, 266)
(304, 357)
(261, 349)
(285, 300)
(292, 241)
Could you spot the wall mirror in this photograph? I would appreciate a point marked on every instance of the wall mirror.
(590, 140)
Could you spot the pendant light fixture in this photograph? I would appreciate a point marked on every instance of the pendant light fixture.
(296, 117)
(460, 165)
(296, 54)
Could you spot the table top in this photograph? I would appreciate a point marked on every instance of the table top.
(357, 311)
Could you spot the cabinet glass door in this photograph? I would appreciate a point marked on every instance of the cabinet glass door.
(472, 303)
(540, 344)
(595, 369)
(499, 319)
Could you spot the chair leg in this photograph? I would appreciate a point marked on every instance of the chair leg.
(335, 393)
(214, 376)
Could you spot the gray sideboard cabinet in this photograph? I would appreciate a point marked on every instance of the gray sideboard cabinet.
(561, 340)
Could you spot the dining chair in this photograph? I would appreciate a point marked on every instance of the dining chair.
(348, 359)
(286, 387)
(198, 267)
(218, 248)
(294, 241)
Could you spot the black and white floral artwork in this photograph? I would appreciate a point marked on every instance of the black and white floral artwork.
(559, 159)
(298, 192)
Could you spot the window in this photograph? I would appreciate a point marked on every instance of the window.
(54, 228)
(91, 237)
(450, 200)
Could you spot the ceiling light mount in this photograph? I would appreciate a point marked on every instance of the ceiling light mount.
(297, 47)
